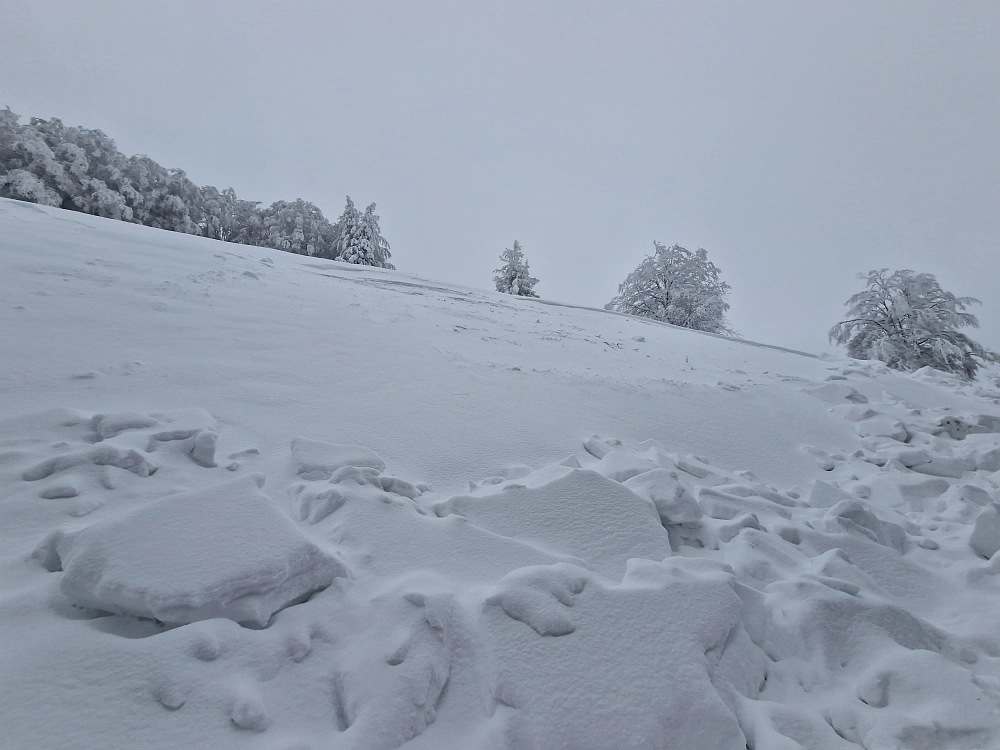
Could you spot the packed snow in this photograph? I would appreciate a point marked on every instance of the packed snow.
(256, 500)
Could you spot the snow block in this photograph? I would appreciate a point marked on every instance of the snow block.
(882, 426)
(672, 498)
(224, 551)
(989, 422)
(203, 448)
(825, 495)
(108, 425)
(599, 447)
(539, 596)
(855, 516)
(725, 506)
(646, 666)
(837, 393)
(988, 460)
(619, 465)
(315, 455)
(581, 514)
(985, 539)
(101, 455)
(942, 466)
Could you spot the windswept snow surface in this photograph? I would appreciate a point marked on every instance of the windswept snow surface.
(256, 500)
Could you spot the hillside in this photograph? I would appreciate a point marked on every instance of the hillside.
(252, 499)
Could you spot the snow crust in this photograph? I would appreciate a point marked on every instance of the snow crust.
(338, 507)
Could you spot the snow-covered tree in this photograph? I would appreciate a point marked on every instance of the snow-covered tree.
(297, 227)
(677, 286)
(908, 321)
(75, 168)
(358, 238)
(513, 277)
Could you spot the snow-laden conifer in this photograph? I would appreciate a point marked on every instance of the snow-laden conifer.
(908, 321)
(358, 238)
(513, 277)
(676, 286)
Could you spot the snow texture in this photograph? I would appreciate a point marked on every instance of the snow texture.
(521, 529)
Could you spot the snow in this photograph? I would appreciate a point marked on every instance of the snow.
(224, 551)
(510, 523)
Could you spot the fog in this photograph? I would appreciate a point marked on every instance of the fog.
(799, 143)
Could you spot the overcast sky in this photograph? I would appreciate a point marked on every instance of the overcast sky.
(798, 142)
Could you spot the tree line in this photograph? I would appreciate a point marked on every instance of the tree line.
(903, 318)
(79, 169)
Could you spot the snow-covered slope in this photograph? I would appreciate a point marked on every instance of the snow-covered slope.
(251, 499)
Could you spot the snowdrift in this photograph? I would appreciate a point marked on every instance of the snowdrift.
(252, 500)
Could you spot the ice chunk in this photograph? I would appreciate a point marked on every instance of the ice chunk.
(317, 456)
(985, 539)
(225, 551)
(672, 498)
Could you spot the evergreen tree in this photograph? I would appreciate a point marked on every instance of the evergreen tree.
(358, 238)
(676, 286)
(908, 321)
(513, 277)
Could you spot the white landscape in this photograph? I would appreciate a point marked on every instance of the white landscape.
(250, 499)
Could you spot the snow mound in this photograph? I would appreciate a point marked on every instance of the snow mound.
(225, 551)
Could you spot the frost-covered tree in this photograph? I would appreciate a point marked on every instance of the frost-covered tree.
(908, 321)
(75, 168)
(298, 227)
(677, 286)
(226, 217)
(513, 276)
(358, 239)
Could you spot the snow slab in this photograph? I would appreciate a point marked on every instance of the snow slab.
(563, 528)
(224, 551)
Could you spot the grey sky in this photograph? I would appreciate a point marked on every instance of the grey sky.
(798, 142)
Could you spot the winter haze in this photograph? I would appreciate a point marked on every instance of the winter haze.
(799, 143)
